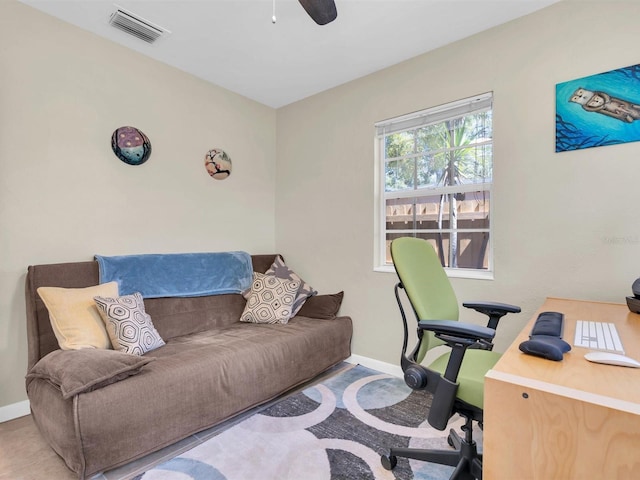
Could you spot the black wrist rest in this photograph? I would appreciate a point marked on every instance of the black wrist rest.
(548, 323)
(542, 347)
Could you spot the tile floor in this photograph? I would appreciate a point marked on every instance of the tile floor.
(24, 455)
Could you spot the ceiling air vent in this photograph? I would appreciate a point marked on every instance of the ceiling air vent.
(136, 26)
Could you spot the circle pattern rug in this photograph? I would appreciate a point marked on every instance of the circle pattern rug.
(334, 430)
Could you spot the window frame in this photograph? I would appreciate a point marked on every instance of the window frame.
(414, 121)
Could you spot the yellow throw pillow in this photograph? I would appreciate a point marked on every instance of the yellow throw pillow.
(74, 315)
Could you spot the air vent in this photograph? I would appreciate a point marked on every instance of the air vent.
(136, 26)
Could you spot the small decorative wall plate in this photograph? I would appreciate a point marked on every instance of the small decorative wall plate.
(217, 163)
(131, 145)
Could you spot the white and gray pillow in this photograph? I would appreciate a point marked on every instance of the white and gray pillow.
(129, 326)
(270, 299)
(281, 270)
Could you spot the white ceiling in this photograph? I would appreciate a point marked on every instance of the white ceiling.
(234, 44)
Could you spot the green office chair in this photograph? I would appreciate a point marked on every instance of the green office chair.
(456, 378)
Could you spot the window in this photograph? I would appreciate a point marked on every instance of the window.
(435, 170)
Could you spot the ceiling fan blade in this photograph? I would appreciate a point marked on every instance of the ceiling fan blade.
(321, 11)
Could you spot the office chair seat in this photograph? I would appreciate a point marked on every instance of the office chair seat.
(475, 365)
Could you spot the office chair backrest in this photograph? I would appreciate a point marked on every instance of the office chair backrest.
(425, 282)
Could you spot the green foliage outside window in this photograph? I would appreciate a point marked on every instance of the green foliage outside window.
(441, 162)
(453, 152)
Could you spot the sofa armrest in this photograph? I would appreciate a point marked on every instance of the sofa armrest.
(79, 371)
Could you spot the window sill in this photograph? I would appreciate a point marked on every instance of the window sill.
(452, 273)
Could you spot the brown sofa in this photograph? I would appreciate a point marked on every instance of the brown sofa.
(211, 368)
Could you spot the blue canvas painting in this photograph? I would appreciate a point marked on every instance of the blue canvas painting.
(598, 110)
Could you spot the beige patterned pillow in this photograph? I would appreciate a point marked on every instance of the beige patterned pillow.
(128, 324)
(281, 270)
(270, 299)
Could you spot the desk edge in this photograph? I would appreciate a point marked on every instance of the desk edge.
(602, 400)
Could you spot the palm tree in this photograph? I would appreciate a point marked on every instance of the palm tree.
(459, 137)
(441, 155)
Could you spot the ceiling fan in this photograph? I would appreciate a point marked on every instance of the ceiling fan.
(321, 11)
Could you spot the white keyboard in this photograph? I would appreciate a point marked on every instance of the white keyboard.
(598, 336)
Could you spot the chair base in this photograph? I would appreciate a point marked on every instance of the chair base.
(465, 457)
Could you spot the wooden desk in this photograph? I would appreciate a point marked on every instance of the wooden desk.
(565, 420)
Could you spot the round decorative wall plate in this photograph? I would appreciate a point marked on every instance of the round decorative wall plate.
(131, 145)
(217, 163)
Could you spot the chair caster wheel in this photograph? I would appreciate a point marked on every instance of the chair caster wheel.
(450, 441)
(389, 462)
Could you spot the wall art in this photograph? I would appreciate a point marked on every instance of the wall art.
(131, 145)
(598, 110)
(217, 163)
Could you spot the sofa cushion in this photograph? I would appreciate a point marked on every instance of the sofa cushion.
(74, 316)
(202, 379)
(322, 306)
(130, 328)
(79, 371)
(270, 299)
(281, 270)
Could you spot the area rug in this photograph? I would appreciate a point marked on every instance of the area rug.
(333, 430)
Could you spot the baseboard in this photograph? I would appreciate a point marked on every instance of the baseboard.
(374, 364)
(15, 410)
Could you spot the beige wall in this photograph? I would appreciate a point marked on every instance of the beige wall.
(564, 224)
(64, 196)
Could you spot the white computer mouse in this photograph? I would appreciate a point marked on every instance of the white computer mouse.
(611, 359)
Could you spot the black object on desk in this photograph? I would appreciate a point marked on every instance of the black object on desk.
(546, 337)
(634, 302)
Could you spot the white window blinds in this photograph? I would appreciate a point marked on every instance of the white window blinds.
(433, 115)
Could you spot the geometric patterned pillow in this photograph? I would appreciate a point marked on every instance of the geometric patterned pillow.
(270, 299)
(128, 325)
(280, 270)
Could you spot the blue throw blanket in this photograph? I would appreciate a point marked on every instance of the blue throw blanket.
(178, 274)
